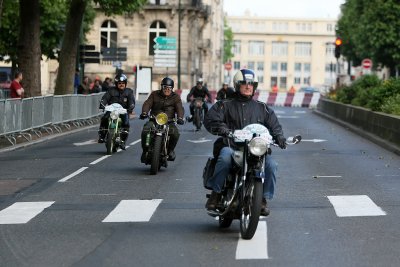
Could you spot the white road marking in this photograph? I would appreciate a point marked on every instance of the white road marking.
(66, 178)
(133, 211)
(313, 140)
(300, 111)
(99, 159)
(135, 142)
(255, 248)
(22, 212)
(201, 140)
(327, 176)
(357, 205)
(90, 142)
(287, 117)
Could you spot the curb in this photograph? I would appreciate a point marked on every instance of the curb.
(371, 137)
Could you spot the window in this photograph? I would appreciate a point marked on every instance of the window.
(330, 67)
(282, 82)
(236, 65)
(279, 48)
(297, 67)
(250, 65)
(302, 49)
(330, 49)
(108, 34)
(256, 48)
(260, 79)
(307, 67)
(157, 28)
(236, 48)
(330, 27)
(260, 66)
(280, 26)
(297, 80)
(157, 2)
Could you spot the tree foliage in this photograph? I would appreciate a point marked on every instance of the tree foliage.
(228, 42)
(371, 29)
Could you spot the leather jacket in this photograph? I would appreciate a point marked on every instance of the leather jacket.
(125, 98)
(234, 114)
(157, 102)
(225, 94)
(203, 92)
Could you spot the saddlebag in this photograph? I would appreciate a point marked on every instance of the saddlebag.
(208, 171)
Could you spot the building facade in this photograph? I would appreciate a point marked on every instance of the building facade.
(198, 32)
(285, 52)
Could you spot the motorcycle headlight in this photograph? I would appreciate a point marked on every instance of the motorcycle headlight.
(258, 146)
(161, 118)
(114, 115)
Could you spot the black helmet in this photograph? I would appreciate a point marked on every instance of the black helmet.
(120, 78)
(244, 76)
(168, 82)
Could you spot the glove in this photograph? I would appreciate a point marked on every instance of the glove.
(224, 132)
(281, 141)
(180, 121)
(143, 116)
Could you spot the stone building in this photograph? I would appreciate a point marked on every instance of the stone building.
(201, 41)
(285, 51)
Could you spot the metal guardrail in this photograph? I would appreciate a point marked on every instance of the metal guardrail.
(49, 113)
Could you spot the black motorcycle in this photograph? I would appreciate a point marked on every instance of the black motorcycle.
(198, 112)
(243, 190)
(157, 142)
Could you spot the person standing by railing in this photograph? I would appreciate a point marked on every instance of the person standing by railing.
(16, 90)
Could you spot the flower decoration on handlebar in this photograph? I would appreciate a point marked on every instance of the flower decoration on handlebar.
(115, 110)
(162, 118)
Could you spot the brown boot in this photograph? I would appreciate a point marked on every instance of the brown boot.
(264, 208)
(212, 202)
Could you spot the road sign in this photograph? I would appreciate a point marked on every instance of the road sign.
(366, 63)
(114, 53)
(87, 54)
(228, 66)
(164, 40)
(164, 51)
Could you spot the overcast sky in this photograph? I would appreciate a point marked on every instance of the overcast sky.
(285, 8)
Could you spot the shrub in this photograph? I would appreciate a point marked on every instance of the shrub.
(392, 105)
(380, 94)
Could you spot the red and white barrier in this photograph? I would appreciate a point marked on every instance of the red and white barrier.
(280, 99)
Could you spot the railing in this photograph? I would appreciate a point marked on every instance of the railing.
(48, 113)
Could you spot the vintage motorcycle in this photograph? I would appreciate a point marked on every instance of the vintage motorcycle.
(113, 137)
(198, 114)
(243, 189)
(157, 142)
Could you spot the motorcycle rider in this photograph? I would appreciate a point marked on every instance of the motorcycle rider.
(198, 91)
(124, 96)
(225, 92)
(226, 116)
(163, 100)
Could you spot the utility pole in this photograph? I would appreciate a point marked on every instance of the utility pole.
(179, 45)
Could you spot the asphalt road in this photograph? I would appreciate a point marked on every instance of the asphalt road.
(336, 204)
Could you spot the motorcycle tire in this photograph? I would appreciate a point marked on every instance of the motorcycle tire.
(110, 141)
(251, 208)
(156, 155)
(197, 119)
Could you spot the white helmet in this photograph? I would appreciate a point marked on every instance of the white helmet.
(244, 76)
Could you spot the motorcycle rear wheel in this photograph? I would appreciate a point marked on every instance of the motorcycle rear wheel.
(251, 208)
(156, 155)
(110, 141)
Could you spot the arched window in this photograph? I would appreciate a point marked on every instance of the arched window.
(108, 33)
(157, 28)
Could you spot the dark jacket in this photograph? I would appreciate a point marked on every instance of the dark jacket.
(239, 112)
(157, 102)
(225, 94)
(114, 95)
(203, 92)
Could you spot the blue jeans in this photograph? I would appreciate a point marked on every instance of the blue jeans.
(224, 165)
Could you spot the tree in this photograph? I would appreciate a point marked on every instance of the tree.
(228, 42)
(371, 29)
(65, 76)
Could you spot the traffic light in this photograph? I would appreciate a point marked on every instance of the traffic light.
(338, 44)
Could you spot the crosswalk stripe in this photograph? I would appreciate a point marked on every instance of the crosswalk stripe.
(22, 212)
(133, 211)
(255, 248)
(356, 205)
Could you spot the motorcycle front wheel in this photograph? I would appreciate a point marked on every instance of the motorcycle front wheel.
(197, 119)
(251, 208)
(156, 155)
(110, 141)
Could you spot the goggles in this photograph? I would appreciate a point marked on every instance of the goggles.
(166, 87)
(248, 82)
(121, 83)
